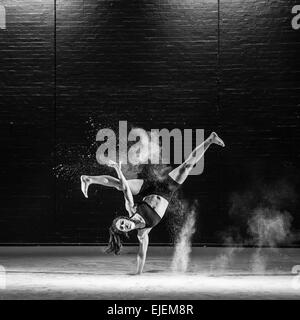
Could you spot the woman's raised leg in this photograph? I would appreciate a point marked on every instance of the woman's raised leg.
(105, 180)
(180, 173)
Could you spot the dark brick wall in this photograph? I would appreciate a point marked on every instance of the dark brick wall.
(26, 121)
(155, 64)
(259, 95)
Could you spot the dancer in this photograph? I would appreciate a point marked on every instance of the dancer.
(145, 215)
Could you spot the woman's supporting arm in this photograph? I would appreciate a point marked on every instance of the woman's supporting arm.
(141, 257)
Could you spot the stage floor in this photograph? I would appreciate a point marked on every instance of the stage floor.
(88, 273)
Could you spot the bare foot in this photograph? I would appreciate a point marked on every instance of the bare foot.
(217, 140)
(112, 164)
(85, 182)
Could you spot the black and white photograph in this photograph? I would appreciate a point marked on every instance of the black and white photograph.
(150, 150)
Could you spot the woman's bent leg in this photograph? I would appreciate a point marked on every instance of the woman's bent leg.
(104, 180)
(109, 181)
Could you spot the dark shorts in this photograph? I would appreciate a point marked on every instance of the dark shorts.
(164, 188)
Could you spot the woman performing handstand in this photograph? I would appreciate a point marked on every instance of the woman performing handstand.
(145, 215)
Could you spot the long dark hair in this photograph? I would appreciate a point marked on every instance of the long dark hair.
(114, 242)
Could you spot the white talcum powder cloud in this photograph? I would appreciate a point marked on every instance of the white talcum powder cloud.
(183, 244)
